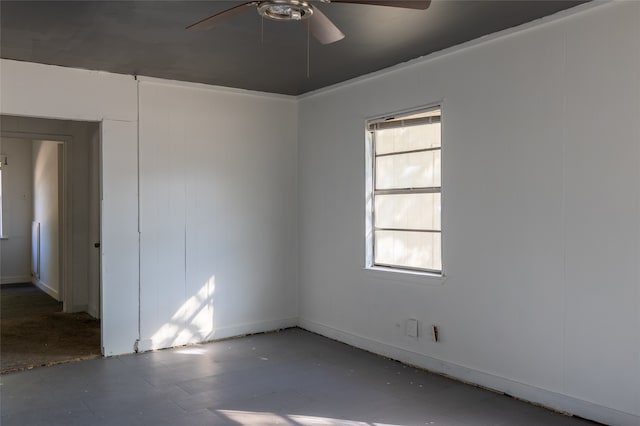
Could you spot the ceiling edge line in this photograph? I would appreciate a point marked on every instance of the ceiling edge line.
(214, 88)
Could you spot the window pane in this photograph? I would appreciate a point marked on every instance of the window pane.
(409, 249)
(413, 211)
(408, 138)
(415, 170)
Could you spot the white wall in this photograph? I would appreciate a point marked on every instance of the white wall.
(230, 249)
(46, 213)
(541, 215)
(15, 252)
(34, 90)
(218, 213)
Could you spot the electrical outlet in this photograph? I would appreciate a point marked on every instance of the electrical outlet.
(411, 327)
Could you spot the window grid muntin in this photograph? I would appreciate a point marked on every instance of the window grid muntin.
(412, 151)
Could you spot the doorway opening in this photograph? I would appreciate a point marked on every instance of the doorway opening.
(50, 258)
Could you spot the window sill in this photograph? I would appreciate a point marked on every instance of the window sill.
(413, 277)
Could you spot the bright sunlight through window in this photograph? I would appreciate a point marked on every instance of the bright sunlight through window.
(405, 192)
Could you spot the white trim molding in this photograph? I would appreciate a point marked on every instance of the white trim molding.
(18, 279)
(144, 345)
(44, 287)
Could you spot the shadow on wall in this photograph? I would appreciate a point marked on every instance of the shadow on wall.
(193, 322)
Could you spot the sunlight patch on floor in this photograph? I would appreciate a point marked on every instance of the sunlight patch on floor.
(255, 418)
(191, 351)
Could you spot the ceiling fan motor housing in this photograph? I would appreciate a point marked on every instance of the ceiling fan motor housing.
(285, 10)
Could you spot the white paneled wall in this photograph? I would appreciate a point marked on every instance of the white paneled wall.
(541, 215)
(119, 237)
(218, 213)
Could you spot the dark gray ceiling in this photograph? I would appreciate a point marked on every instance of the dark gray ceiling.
(148, 38)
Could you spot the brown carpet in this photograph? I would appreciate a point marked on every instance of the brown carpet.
(34, 332)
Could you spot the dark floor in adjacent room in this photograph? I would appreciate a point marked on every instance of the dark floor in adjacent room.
(291, 377)
(34, 331)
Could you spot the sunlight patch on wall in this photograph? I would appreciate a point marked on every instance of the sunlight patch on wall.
(193, 322)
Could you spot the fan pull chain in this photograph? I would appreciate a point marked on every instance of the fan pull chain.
(262, 30)
(308, 31)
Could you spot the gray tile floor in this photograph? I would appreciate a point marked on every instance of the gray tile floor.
(289, 378)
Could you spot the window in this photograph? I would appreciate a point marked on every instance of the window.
(405, 192)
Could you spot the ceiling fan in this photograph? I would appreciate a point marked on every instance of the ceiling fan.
(320, 25)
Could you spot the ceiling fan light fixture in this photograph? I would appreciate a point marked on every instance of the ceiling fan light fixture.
(285, 10)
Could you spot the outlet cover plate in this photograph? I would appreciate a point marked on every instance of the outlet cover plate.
(411, 327)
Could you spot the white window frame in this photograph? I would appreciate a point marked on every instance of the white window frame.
(370, 181)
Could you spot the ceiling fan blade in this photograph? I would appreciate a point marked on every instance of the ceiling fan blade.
(213, 20)
(323, 29)
(405, 4)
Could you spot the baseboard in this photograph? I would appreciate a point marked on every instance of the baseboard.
(18, 279)
(253, 328)
(44, 287)
(144, 345)
(93, 311)
(79, 308)
(550, 399)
